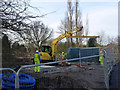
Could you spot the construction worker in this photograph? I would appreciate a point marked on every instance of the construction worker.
(101, 58)
(63, 58)
(37, 60)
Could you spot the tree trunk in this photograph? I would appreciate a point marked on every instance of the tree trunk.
(76, 19)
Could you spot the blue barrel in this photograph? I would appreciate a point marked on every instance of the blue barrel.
(25, 81)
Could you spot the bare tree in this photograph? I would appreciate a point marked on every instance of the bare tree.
(106, 39)
(38, 34)
(68, 23)
(71, 20)
(64, 25)
(112, 40)
(86, 28)
(14, 14)
(16, 19)
(102, 40)
(78, 22)
(76, 19)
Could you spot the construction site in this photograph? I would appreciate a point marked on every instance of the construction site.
(34, 58)
(81, 69)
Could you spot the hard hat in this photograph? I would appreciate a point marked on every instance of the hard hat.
(37, 51)
(62, 52)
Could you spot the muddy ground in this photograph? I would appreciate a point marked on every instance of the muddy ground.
(69, 77)
(73, 77)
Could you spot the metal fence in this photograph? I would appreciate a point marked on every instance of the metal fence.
(109, 61)
(111, 58)
(5, 77)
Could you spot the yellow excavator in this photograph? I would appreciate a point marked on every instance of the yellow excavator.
(48, 53)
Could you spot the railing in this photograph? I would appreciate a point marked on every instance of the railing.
(27, 66)
(110, 59)
(11, 71)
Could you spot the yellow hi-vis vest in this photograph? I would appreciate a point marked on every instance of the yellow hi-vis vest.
(36, 58)
(101, 59)
(63, 56)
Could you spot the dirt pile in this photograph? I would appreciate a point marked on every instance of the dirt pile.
(60, 82)
(72, 77)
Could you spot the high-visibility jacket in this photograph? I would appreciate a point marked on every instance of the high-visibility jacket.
(101, 59)
(37, 60)
(37, 57)
(63, 56)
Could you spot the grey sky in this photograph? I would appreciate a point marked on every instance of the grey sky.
(102, 14)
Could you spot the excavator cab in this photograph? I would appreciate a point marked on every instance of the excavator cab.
(46, 54)
(47, 49)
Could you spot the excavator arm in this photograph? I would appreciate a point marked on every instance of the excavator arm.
(55, 41)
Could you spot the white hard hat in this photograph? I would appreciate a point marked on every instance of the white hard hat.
(62, 52)
(37, 51)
